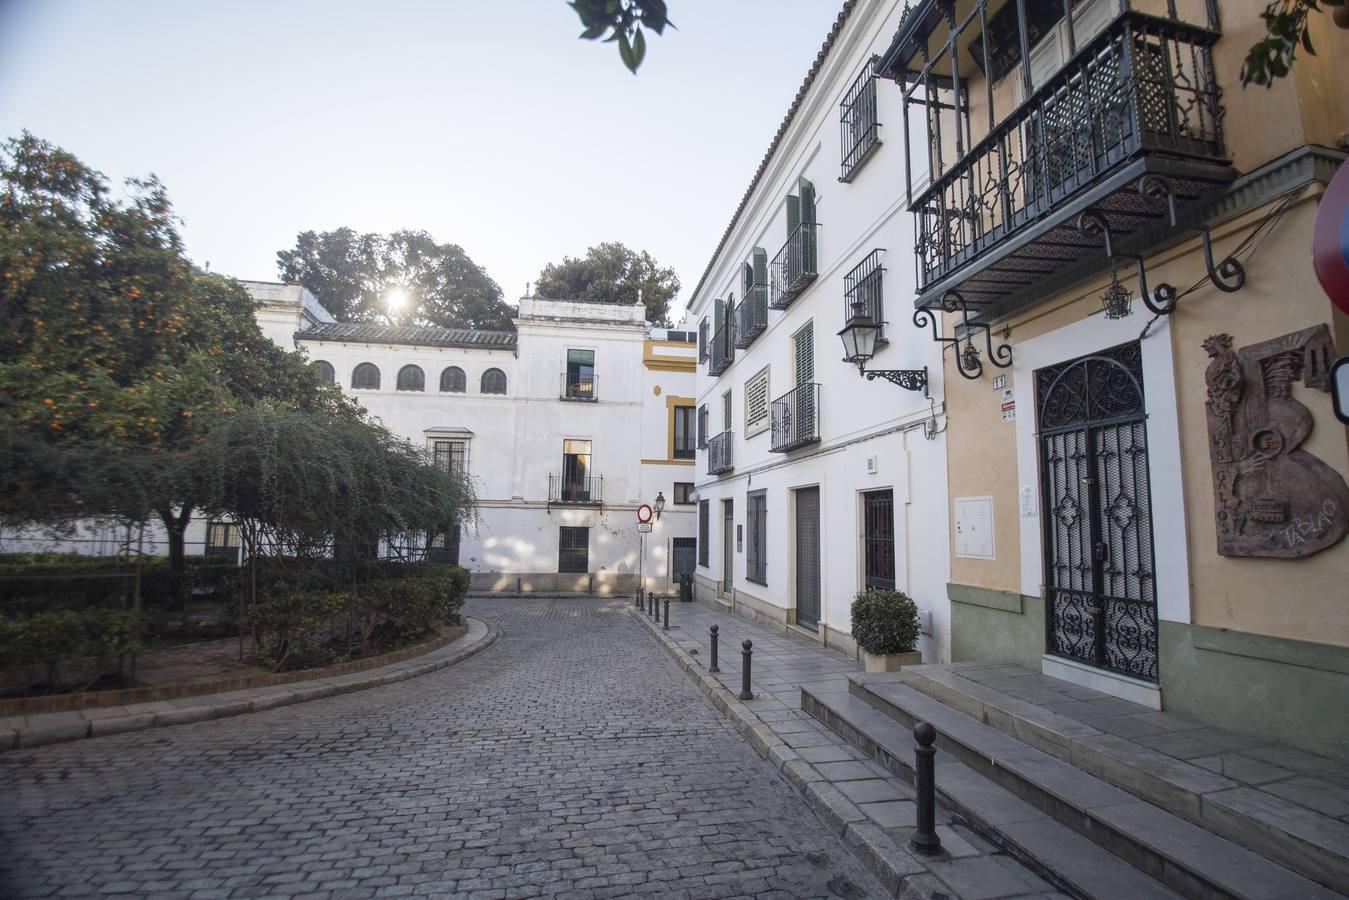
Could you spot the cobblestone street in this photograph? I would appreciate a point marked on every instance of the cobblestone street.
(572, 758)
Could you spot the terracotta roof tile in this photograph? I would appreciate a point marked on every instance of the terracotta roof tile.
(423, 336)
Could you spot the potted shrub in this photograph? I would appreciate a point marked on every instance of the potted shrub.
(885, 626)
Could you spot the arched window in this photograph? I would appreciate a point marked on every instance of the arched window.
(411, 378)
(324, 371)
(494, 382)
(365, 377)
(452, 380)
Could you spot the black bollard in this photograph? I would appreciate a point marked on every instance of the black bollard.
(639, 599)
(667, 613)
(925, 839)
(746, 651)
(651, 604)
(713, 667)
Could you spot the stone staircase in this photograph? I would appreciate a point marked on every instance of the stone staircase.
(1110, 798)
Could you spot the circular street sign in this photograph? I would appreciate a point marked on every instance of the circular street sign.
(1330, 240)
(644, 514)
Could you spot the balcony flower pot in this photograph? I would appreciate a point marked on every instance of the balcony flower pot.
(885, 626)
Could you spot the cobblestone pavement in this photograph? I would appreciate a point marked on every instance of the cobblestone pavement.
(571, 759)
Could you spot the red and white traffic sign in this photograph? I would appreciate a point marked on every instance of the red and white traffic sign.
(1330, 240)
(644, 514)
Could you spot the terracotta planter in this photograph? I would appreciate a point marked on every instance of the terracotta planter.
(891, 662)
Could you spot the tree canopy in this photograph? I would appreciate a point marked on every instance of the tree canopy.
(1286, 29)
(612, 273)
(353, 275)
(127, 377)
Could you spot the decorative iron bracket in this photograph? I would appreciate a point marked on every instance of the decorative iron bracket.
(909, 379)
(968, 363)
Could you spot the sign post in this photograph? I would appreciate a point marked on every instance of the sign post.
(643, 529)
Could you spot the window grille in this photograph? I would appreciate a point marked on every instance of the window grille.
(573, 553)
(704, 514)
(864, 283)
(365, 377)
(411, 378)
(857, 122)
(756, 538)
(494, 382)
(452, 381)
(450, 456)
(324, 371)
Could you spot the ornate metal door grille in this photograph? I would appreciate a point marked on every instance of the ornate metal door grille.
(1100, 587)
(878, 539)
(808, 557)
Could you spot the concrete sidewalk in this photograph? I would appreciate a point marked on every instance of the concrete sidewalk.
(860, 799)
(72, 725)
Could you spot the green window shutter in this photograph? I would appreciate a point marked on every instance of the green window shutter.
(718, 315)
(761, 272)
(793, 213)
(807, 193)
(747, 282)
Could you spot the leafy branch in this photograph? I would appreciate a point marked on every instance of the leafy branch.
(624, 20)
(1285, 30)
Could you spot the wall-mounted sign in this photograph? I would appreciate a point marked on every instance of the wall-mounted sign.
(643, 527)
(1008, 405)
(740, 539)
(1330, 240)
(1339, 388)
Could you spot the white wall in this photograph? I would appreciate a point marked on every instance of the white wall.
(858, 418)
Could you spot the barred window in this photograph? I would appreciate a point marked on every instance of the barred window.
(756, 403)
(450, 456)
(494, 382)
(683, 493)
(324, 371)
(573, 553)
(683, 433)
(857, 122)
(411, 378)
(452, 380)
(756, 543)
(365, 377)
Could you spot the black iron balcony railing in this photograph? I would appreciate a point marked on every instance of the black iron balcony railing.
(720, 455)
(751, 316)
(793, 269)
(575, 488)
(796, 418)
(864, 283)
(578, 387)
(723, 346)
(1143, 86)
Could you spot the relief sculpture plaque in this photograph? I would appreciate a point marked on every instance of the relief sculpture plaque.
(1271, 497)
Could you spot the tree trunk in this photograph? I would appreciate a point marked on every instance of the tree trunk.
(175, 525)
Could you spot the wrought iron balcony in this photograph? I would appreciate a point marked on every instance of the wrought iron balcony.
(796, 418)
(720, 454)
(579, 489)
(723, 346)
(1129, 128)
(793, 269)
(578, 387)
(751, 316)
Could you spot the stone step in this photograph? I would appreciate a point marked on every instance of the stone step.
(1048, 847)
(877, 715)
(1290, 833)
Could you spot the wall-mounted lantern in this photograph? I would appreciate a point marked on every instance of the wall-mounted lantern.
(859, 336)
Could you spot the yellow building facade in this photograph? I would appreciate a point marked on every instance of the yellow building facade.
(1148, 484)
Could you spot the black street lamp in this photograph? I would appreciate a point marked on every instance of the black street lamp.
(859, 336)
(659, 504)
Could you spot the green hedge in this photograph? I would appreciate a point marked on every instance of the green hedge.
(297, 626)
(47, 641)
(34, 582)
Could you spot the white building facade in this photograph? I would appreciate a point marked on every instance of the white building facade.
(813, 481)
(565, 426)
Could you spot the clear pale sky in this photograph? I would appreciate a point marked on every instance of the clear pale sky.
(486, 123)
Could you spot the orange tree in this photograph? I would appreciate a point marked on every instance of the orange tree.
(117, 356)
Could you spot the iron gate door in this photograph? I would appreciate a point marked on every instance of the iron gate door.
(808, 557)
(1100, 588)
(878, 539)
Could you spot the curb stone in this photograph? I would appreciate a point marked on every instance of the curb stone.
(296, 692)
(898, 871)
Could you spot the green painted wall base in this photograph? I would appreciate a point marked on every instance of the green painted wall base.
(1292, 692)
(996, 625)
